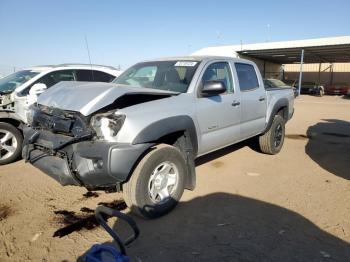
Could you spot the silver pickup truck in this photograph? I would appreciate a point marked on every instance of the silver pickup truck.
(141, 133)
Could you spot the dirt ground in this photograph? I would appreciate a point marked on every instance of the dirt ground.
(247, 206)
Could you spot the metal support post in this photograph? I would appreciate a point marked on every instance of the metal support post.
(301, 70)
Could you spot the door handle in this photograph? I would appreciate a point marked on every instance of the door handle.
(261, 98)
(236, 103)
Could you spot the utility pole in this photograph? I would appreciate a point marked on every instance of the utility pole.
(301, 70)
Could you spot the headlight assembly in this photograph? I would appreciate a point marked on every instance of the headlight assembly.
(107, 125)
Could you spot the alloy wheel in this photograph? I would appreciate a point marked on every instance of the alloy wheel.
(278, 135)
(163, 182)
(8, 144)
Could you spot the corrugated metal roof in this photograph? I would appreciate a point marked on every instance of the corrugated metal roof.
(330, 49)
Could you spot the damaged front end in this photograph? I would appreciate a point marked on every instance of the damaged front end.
(6, 102)
(78, 150)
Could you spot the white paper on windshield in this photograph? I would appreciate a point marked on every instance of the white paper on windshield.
(185, 63)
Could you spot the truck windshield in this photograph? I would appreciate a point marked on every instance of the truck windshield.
(11, 82)
(173, 75)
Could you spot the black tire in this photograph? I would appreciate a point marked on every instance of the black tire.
(19, 138)
(136, 190)
(272, 141)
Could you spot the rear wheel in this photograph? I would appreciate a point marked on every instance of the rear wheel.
(157, 183)
(272, 141)
(11, 141)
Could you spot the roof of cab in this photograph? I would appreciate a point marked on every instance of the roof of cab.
(196, 58)
(43, 68)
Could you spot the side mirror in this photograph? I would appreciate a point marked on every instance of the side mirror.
(37, 89)
(212, 88)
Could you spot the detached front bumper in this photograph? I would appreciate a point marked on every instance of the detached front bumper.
(93, 164)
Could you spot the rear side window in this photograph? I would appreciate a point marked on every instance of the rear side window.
(246, 76)
(103, 77)
(93, 76)
(84, 75)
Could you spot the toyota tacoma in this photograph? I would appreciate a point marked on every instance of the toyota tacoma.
(141, 133)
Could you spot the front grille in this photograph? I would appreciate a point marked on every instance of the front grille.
(53, 123)
(60, 121)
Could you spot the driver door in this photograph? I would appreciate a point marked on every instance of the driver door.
(218, 116)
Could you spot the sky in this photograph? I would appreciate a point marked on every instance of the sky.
(121, 33)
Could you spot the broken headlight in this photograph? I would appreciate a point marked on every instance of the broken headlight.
(107, 125)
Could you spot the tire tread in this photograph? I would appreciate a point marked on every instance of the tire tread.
(265, 140)
(130, 187)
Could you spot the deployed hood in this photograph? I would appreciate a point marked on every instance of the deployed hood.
(89, 97)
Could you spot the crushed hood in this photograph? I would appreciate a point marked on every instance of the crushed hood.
(89, 97)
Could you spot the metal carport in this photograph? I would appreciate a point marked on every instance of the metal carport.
(321, 50)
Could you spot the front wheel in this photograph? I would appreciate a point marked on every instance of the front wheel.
(272, 141)
(157, 183)
(11, 141)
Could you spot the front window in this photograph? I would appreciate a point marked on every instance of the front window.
(174, 75)
(53, 78)
(11, 82)
(219, 71)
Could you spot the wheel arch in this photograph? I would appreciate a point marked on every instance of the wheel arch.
(281, 107)
(166, 128)
(178, 131)
(10, 118)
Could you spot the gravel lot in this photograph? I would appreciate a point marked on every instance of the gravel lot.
(247, 206)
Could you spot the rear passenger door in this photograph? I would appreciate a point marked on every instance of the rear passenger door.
(253, 100)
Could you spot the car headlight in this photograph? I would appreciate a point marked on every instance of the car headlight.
(107, 125)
